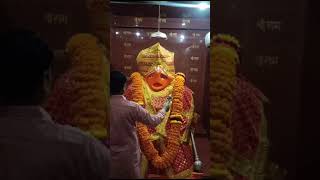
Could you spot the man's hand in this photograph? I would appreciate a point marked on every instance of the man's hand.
(167, 104)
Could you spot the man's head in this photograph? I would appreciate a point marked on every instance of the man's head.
(25, 60)
(117, 82)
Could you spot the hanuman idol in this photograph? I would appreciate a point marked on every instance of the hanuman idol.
(167, 149)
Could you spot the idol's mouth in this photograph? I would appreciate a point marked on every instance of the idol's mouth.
(157, 85)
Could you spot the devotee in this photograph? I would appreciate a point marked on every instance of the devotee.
(32, 146)
(124, 145)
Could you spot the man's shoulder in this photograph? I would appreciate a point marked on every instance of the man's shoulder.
(134, 107)
(88, 148)
(130, 104)
(73, 135)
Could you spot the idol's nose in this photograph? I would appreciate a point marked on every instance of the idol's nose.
(158, 75)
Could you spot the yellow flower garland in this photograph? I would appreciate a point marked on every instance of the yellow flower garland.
(224, 55)
(168, 156)
(89, 111)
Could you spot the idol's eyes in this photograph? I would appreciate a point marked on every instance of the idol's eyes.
(155, 75)
(163, 76)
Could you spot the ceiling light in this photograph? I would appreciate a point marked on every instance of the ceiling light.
(137, 34)
(159, 34)
(182, 38)
(203, 6)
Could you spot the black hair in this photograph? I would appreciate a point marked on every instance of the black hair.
(117, 82)
(24, 60)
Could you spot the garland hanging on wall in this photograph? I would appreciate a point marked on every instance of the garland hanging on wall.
(224, 57)
(79, 98)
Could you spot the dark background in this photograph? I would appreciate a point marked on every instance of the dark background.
(55, 21)
(308, 151)
(272, 59)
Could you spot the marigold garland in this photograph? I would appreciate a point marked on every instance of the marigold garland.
(86, 81)
(173, 135)
(137, 86)
(224, 54)
(89, 73)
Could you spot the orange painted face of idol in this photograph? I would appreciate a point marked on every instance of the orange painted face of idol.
(157, 81)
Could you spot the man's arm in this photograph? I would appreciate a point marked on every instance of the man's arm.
(146, 118)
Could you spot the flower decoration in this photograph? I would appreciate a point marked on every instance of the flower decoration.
(164, 160)
(224, 57)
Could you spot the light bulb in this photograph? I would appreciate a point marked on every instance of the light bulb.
(203, 6)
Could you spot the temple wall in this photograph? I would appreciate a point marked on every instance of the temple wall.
(271, 34)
